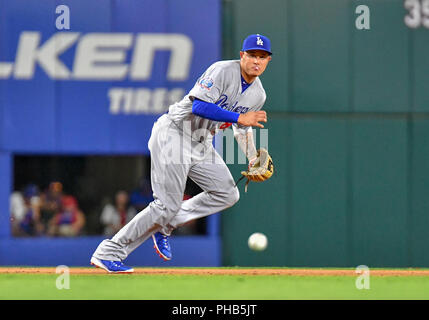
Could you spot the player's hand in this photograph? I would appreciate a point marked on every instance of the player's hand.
(252, 162)
(252, 118)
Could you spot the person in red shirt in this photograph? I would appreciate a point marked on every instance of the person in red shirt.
(69, 220)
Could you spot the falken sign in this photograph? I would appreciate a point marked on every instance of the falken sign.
(102, 57)
(116, 67)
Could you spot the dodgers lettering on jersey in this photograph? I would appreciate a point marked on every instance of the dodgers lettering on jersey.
(223, 103)
(219, 84)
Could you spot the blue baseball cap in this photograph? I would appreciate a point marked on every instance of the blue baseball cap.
(257, 42)
(31, 190)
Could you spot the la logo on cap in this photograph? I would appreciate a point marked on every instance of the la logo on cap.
(259, 41)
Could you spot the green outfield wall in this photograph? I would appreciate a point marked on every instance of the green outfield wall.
(348, 125)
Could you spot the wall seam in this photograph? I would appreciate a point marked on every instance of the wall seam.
(289, 133)
(410, 148)
(349, 141)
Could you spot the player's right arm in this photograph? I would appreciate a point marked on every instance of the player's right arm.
(252, 119)
(214, 112)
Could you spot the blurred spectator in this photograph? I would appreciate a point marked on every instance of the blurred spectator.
(114, 217)
(25, 212)
(51, 201)
(142, 196)
(69, 220)
(17, 207)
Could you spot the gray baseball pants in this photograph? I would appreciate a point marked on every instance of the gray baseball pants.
(174, 157)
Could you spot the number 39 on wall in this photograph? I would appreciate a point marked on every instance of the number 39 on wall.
(418, 13)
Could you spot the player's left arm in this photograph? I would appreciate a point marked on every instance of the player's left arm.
(245, 141)
(244, 137)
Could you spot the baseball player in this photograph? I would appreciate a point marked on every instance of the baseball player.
(228, 93)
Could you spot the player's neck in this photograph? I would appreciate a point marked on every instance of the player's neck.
(247, 78)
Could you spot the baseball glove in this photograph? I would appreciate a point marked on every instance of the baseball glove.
(261, 170)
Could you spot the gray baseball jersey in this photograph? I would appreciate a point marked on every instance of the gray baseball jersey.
(219, 84)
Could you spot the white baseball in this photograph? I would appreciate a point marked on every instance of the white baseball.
(257, 241)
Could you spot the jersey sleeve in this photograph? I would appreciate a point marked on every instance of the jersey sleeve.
(209, 86)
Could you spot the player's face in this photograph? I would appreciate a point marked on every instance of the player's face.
(254, 62)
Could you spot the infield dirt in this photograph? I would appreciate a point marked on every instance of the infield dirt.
(222, 271)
